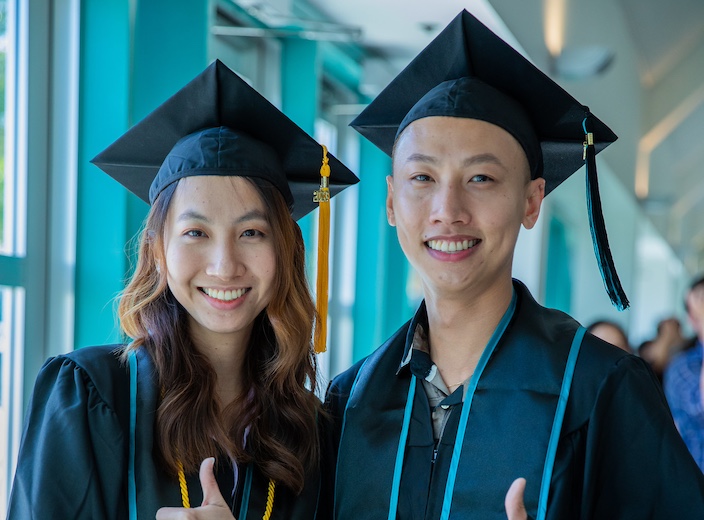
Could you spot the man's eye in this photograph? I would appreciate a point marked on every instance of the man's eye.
(480, 178)
(422, 177)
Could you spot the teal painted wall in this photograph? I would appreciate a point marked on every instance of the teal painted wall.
(300, 91)
(380, 297)
(101, 211)
(558, 279)
(133, 57)
(127, 70)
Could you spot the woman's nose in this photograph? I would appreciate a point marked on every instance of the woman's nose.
(225, 262)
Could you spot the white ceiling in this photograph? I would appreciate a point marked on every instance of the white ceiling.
(652, 95)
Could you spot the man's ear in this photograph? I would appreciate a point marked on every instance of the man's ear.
(534, 199)
(390, 216)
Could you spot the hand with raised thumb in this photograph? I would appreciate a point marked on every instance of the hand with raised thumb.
(515, 509)
(213, 506)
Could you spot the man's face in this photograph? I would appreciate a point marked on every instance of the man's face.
(459, 193)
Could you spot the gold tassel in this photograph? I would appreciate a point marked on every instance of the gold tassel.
(322, 197)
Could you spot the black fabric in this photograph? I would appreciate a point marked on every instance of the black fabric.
(473, 99)
(619, 454)
(73, 459)
(468, 49)
(215, 98)
(223, 152)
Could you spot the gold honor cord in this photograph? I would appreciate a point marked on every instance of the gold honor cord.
(187, 502)
(182, 484)
(322, 197)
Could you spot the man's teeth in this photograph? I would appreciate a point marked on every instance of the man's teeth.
(224, 295)
(451, 247)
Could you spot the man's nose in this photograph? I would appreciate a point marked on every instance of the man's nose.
(450, 205)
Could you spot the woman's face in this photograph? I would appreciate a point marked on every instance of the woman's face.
(220, 256)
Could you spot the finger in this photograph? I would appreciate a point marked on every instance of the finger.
(211, 491)
(170, 513)
(515, 509)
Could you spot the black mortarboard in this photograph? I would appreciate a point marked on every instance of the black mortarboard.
(468, 71)
(218, 125)
(184, 136)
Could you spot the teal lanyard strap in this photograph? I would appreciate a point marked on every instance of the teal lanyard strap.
(398, 467)
(459, 439)
(245, 493)
(131, 482)
(557, 423)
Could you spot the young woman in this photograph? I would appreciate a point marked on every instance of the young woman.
(211, 404)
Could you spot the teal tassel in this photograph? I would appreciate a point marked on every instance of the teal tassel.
(597, 225)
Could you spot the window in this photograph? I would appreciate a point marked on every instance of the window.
(38, 113)
(12, 224)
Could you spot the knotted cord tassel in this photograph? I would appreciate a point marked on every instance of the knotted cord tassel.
(322, 197)
(597, 225)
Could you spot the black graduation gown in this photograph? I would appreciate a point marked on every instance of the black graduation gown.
(73, 460)
(619, 455)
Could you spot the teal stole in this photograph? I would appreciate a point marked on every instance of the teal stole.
(509, 426)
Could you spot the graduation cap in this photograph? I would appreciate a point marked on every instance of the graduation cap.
(468, 71)
(218, 125)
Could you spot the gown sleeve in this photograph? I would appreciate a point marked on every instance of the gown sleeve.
(72, 456)
(637, 465)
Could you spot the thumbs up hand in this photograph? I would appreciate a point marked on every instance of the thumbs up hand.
(213, 506)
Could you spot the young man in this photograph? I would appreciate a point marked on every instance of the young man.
(484, 386)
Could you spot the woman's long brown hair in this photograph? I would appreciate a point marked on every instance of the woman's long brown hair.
(277, 413)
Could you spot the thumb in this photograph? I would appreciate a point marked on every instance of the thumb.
(211, 491)
(515, 509)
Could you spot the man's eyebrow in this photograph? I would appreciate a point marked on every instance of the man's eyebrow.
(481, 158)
(421, 157)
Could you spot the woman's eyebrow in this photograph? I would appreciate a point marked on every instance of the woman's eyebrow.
(192, 215)
(254, 214)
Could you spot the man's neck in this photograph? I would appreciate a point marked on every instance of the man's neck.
(460, 328)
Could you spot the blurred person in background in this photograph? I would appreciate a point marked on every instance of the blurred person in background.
(684, 378)
(611, 332)
(668, 341)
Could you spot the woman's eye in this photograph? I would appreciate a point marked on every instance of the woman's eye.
(194, 233)
(252, 233)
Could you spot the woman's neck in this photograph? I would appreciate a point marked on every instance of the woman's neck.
(226, 355)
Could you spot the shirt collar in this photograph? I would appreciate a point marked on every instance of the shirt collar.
(416, 355)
